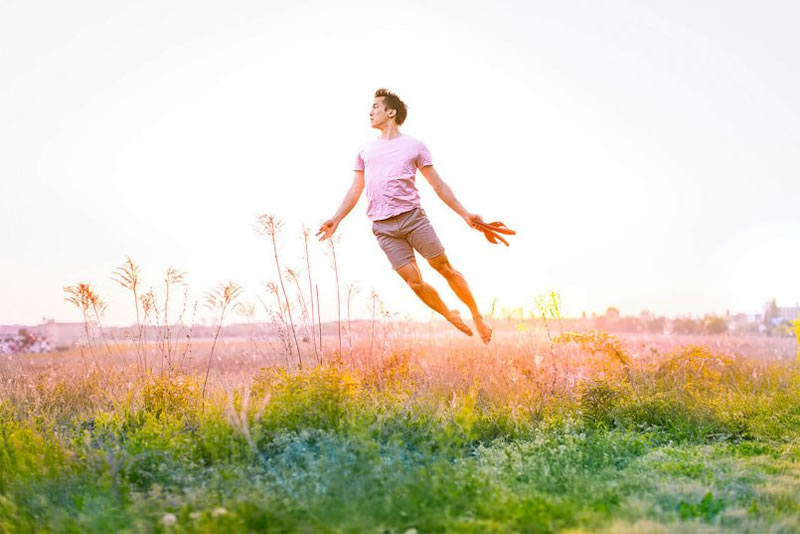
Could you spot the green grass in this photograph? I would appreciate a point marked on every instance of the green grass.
(692, 448)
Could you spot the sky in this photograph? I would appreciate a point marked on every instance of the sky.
(646, 153)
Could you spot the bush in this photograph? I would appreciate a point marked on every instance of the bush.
(320, 397)
(599, 401)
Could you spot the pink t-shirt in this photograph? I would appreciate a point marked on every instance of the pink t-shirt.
(390, 167)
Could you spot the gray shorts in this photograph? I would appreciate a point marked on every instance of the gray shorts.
(401, 234)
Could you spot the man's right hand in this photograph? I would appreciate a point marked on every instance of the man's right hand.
(327, 229)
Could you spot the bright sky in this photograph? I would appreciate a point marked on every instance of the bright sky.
(647, 153)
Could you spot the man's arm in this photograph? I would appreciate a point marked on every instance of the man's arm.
(350, 200)
(447, 195)
(352, 196)
(442, 189)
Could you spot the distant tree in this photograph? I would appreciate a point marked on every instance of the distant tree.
(656, 325)
(612, 313)
(685, 325)
(713, 324)
(629, 324)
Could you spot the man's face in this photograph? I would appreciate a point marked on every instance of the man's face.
(378, 115)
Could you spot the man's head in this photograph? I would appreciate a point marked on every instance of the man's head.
(386, 107)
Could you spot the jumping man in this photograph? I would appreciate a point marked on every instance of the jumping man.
(390, 163)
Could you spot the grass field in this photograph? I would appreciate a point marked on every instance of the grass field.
(538, 433)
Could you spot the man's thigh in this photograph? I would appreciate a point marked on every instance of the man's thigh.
(397, 249)
(422, 237)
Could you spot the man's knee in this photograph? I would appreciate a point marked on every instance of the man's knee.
(411, 276)
(445, 268)
(416, 285)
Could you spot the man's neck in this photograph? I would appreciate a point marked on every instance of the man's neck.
(390, 132)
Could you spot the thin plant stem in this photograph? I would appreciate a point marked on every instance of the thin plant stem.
(338, 297)
(282, 332)
(188, 348)
(310, 292)
(211, 354)
(373, 298)
(319, 322)
(219, 299)
(301, 298)
(350, 290)
(286, 297)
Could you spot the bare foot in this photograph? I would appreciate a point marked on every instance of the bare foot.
(483, 329)
(455, 319)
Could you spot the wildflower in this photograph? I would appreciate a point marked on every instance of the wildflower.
(218, 512)
(168, 520)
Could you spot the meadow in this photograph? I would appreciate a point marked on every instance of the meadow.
(395, 427)
(541, 432)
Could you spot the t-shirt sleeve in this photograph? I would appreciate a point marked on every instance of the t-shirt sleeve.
(424, 156)
(359, 163)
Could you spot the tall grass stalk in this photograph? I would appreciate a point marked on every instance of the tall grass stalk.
(271, 226)
(548, 306)
(319, 322)
(385, 314)
(173, 349)
(306, 233)
(188, 348)
(148, 304)
(373, 297)
(88, 301)
(219, 299)
(338, 297)
(172, 277)
(127, 275)
(292, 275)
(352, 289)
(281, 323)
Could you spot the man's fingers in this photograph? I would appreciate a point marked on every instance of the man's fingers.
(324, 231)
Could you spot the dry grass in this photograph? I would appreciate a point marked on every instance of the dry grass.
(517, 369)
(529, 356)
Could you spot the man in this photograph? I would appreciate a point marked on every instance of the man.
(388, 165)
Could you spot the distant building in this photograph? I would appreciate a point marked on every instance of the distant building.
(788, 313)
(776, 315)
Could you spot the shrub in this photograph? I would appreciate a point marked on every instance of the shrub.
(319, 397)
(176, 395)
(599, 400)
(695, 369)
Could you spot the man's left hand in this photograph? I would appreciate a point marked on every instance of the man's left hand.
(470, 219)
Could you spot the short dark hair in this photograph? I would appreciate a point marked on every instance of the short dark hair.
(392, 101)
